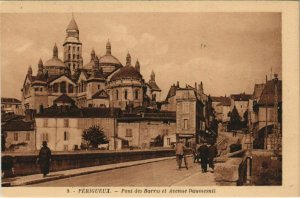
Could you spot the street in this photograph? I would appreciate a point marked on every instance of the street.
(163, 173)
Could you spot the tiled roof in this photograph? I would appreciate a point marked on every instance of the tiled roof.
(223, 101)
(64, 99)
(258, 88)
(18, 125)
(10, 100)
(172, 92)
(72, 25)
(241, 97)
(101, 95)
(127, 72)
(74, 112)
(268, 94)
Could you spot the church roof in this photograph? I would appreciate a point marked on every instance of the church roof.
(64, 99)
(72, 25)
(153, 86)
(268, 94)
(109, 59)
(127, 72)
(100, 95)
(55, 62)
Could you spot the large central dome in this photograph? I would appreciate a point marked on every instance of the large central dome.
(127, 72)
(54, 61)
(109, 59)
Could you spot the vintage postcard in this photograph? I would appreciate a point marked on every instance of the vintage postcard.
(148, 99)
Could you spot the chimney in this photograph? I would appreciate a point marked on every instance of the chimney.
(177, 84)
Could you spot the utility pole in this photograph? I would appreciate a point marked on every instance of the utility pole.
(275, 134)
(266, 129)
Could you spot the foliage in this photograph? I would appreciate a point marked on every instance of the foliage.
(235, 120)
(94, 136)
(158, 141)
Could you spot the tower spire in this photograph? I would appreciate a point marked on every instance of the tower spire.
(137, 65)
(55, 51)
(152, 76)
(108, 47)
(128, 59)
(93, 54)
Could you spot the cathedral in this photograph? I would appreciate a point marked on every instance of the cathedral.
(101, 82)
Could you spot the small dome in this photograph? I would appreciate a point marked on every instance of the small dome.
(127, 72)
(109, 59)
(54, 62)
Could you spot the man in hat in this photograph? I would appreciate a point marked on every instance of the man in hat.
(179, 151)
(212, 153)
(203, 154)
(44, 159)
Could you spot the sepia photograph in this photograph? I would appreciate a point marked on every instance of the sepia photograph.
(142, 99)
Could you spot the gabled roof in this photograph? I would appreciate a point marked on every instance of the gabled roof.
(10, 100)
(223, 101)
(172, 92)
(268, 94)
(18, 125)
(64, 99)
(258, 88)
(100, 95)
(51, 79)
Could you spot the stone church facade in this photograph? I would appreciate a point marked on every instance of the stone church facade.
(101, 82)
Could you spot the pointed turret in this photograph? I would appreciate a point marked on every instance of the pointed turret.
(73, 25)
(137, 65)
(96, 65)
(128, 59)
(40, 69)
(152, 77)
(29, 72)
(108, 48)
(55, 51)
(93, 54)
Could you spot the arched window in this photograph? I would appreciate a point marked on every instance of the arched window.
(125, 94)
(79, 85)
(82, 86)
(55, 87)
(73, 56)
(77, 56)
(137, 94)
(66, 136)
(63, 87)
(69, 56)
(70, 88)
(117, 95)
(77, 48)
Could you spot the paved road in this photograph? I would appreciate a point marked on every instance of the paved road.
(163, 173)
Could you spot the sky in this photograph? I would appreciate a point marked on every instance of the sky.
(228, 52)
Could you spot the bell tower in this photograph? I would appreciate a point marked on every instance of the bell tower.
(72, 47)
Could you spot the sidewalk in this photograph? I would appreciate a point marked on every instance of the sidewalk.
(38, 178)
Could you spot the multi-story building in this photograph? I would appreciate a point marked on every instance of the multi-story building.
(241, 103)
(62, 126)
(11, 105)
(222, 108)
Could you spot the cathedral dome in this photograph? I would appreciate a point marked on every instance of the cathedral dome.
(54, 61)
(109, 59)
(127, 72)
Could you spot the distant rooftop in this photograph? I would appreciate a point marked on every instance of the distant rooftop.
(10, 100)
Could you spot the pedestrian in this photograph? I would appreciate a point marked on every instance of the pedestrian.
(44, 159)
(212, 153)
(179, 150)
(195, 153)
(203, 154)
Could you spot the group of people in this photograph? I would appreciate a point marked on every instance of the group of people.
(206, 153)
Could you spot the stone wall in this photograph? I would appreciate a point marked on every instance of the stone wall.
(26, 164)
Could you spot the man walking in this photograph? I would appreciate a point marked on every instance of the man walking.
(179, 150)
(212, 153)
(203, 154)
(44, 159)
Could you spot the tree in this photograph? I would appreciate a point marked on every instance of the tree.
(94, 136)
(235, 120)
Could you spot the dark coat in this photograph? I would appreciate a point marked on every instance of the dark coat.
(212, 151)
(203, 151)
(44, 159)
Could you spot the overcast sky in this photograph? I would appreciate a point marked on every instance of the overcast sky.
(228, 52)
